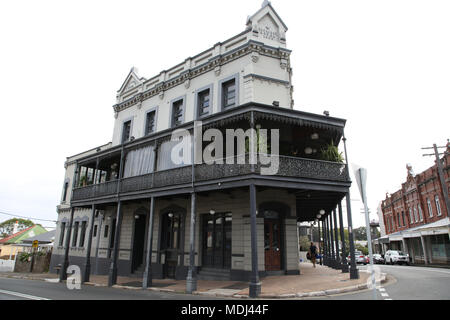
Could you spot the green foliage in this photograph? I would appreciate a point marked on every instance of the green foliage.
(24, 256)
(360, 234)
(361, 248)
(83, 181)
(331, 153)
(7, 227)
(261, 143)
(304, 243)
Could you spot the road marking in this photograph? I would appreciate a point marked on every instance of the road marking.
(383, 293)
(417, 268)
(22, 295)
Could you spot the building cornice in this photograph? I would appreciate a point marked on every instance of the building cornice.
(213, 63)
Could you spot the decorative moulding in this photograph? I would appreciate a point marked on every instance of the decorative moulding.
(217, 70)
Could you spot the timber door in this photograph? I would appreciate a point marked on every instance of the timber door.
(171, 236)
(138, 242)
(217, 241)
(272, 249)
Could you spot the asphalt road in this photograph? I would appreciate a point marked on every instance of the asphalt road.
(406, 283)
(21, 289)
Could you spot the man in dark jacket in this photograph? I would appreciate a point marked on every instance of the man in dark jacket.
(313, 253)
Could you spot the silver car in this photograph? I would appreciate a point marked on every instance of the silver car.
(359, 258)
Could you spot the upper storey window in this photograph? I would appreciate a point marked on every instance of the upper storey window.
(150, 122)
(203, 103)
(229, 94)
(126, 131)
(177, 112)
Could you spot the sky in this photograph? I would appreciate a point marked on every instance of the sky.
(382, 65)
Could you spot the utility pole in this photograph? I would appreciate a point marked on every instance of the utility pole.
(440, 172)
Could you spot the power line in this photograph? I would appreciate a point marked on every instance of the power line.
(19, 216)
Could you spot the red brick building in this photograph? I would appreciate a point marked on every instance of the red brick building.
(416, 216)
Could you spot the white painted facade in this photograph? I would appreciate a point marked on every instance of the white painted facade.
(257, 57)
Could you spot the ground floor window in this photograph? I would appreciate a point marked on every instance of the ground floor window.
(440, 248)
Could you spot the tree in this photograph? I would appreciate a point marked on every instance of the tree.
(360, 234)
(304, 243)
(7, 227)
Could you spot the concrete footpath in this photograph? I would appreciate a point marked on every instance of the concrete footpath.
(319, 281)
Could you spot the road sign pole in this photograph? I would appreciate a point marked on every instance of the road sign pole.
(361, 177)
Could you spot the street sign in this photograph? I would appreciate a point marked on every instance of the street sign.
(361, 179)
(35, 243)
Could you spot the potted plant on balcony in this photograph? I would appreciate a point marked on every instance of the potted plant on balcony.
(331, 153)
(83, 181)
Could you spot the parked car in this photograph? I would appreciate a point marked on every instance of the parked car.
(378, 258)
(359, 258)
(396, 257)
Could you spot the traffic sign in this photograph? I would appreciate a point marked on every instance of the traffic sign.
(35, 243)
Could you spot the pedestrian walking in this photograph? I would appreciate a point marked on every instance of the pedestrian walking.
(313, 253)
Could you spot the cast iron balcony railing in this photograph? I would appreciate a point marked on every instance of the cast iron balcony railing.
(291, 167)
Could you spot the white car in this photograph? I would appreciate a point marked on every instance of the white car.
(396, 257)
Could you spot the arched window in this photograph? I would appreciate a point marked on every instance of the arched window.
(415, 214)
(438, 205)
(430, 209)
(420, 212)
(411, 216)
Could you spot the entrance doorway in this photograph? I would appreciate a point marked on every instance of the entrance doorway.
(170, 242)
(138, 241)
(216, 235)
(272, 244)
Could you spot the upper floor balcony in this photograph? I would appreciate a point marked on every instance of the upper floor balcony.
(145, 166)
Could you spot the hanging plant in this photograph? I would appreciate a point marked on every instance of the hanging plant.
(331, 153)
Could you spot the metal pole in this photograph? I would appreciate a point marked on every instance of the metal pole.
(333, 256)
(442, 180)
(344, 262)
(255, 285)
(354, 274)
(99, 230)
(87, 266)
(191, 280)
(112, 278)
(369, 236)
(325, 241)
(336, 241)
(147, 279)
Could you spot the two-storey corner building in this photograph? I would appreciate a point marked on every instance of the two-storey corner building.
(416, 216)
(128, 208)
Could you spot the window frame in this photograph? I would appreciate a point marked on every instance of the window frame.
(197, 101)
(65, 190)
(76, 226)
(183, 108)
(122, 140)
(430, 208)
(220, 97)
(83, 227)
(155, 121)
(438, 205)
(62, 233)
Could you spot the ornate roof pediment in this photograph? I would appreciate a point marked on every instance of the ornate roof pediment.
(268, 23)
(131, 81)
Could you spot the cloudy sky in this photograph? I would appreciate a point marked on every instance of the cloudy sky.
(382, 65)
